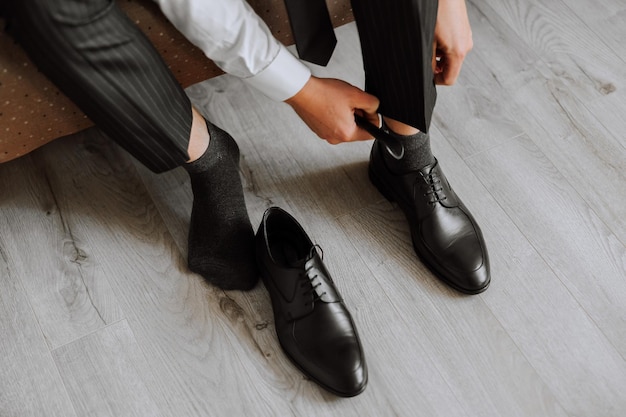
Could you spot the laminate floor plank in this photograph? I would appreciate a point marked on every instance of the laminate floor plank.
(105, 373)
(545, 106)
(573, 51)
(67, 291)
(558, 340)
(30, 384)
(606, 19)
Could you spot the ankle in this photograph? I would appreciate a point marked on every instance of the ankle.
(417, 151)
(221, 149)
(399, 128)
(199, 136)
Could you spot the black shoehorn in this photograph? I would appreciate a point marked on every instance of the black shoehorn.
(395, 147)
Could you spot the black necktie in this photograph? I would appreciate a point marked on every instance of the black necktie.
(312, 30)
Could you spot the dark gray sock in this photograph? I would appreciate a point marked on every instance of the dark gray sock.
(417, 152)
(221, 239)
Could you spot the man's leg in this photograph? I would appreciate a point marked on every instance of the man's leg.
(100, 59)
(397, 41)
(397, 44)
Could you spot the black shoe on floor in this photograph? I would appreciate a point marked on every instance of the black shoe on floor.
(445, 235)
(314, 328)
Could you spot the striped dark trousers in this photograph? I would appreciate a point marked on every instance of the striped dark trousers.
(102, 61)
(397, 44)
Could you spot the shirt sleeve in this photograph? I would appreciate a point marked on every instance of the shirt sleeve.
(233, 36)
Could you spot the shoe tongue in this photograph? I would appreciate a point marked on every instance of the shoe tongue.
(298, 263)
(427, 169)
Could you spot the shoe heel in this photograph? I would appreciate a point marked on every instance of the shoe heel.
(380, 186)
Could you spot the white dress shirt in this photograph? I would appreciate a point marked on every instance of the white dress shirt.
(233, 36)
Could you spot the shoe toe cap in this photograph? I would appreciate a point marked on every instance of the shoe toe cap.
(474, 282)
(346, 373)
(468, 269)
(457, 252)
(339, 367)
(349, 384)
(326, 347)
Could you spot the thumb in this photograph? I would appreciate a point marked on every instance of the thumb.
(451, 68)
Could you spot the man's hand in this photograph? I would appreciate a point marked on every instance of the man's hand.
(328, 106)
(453, 40)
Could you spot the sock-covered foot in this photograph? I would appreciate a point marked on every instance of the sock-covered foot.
(417, 152)
(221, 239)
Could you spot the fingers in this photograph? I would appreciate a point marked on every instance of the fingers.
(352, 132)
(452, 42)
(328, 107)
(448, 69)
(365, 105)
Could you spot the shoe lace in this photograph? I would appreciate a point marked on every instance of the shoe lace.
(433, 186)
(308, 286)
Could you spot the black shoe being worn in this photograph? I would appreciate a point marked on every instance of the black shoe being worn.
(445, 235)
(313, 326)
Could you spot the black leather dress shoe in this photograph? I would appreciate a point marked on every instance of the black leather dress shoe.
(313, 325)
(445, 235)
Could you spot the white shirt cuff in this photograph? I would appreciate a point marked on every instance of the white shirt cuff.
(283, 78)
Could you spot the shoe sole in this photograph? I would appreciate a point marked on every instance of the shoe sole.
(383, 188)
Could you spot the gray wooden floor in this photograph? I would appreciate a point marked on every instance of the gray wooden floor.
(100, 317)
